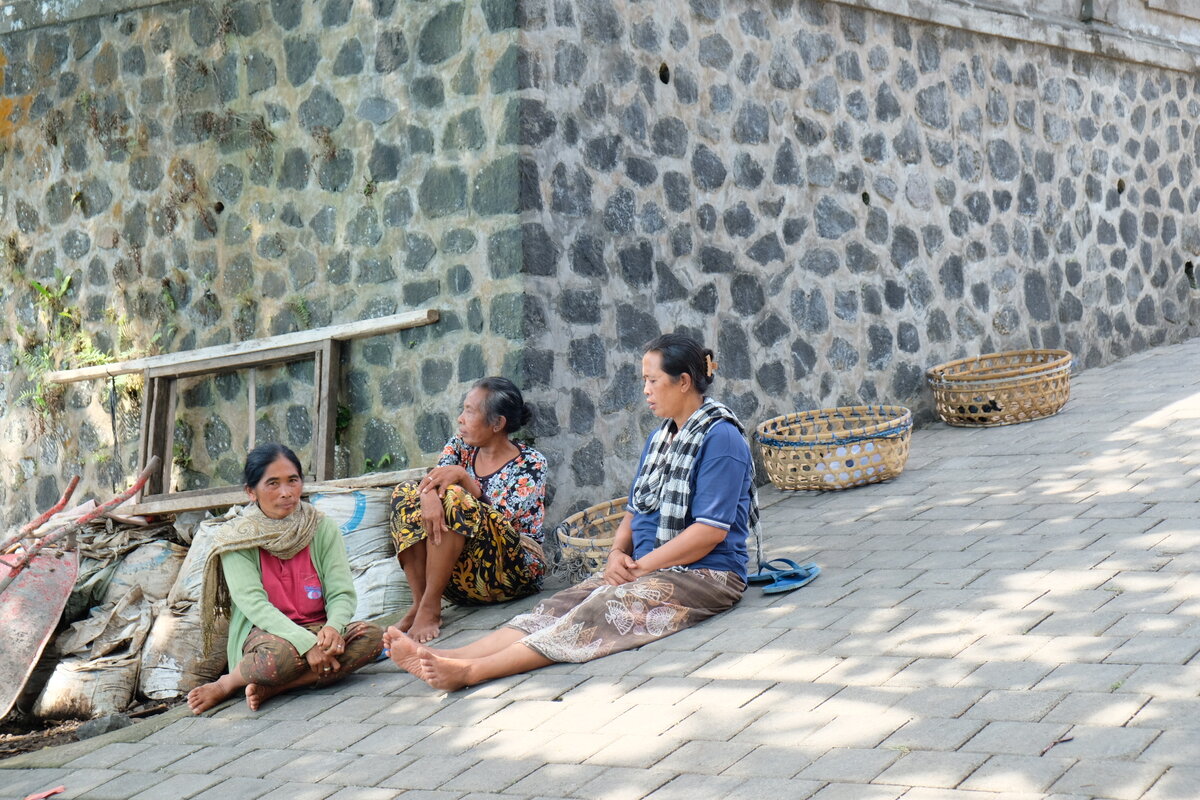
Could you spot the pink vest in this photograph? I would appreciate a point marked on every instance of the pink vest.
(293, 586)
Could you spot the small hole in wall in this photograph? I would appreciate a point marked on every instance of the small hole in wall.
(219, 207)
(664, 72)
(1189, 269)
(866, 198)
(1120, 186)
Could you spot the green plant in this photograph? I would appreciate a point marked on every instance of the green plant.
(369, 188)
(345, 416)
(299, 307)
(60, 344)
(180, 456)
(384, 462)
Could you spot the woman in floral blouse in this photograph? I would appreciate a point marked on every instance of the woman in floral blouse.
(471, 530)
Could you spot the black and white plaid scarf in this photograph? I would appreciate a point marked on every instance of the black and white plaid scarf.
(663, 483)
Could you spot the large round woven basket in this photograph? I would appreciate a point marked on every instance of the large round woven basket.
(836, 448)
(1001, 388)
(587, 535)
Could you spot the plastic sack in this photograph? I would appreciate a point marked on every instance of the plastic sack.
(82, 688)
(363, 518)
(173, 661)
(152, 567)
(189, 583)
(173, 658)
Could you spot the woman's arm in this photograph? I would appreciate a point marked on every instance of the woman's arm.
(337, 583)
(692, 544)
(244, 578)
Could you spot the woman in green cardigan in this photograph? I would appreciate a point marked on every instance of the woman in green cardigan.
(279, 572)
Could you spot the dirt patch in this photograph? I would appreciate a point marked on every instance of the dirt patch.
(24, 734)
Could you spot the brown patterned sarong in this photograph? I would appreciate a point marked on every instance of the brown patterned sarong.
(271, 660)
(496, 564)
(593, 619)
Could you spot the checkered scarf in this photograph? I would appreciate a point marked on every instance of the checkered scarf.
(663, 483)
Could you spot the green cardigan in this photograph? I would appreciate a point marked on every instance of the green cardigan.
(250, 607)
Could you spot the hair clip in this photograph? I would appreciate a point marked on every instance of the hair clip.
(710, 366)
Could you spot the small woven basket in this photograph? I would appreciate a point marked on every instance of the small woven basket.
(1001, 388)
(836, 448)
(587, 536)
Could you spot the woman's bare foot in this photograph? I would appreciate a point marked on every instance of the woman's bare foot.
(447, 674)
(407, 620)
(202, 698)
(405, 653)
(257, 694)
(426, 626)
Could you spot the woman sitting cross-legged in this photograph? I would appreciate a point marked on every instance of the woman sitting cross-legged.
(679, 555)
(471, 530)
(279, 572)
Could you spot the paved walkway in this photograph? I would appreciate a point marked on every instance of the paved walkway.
(1016, 616)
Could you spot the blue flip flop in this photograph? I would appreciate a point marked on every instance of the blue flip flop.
(768, 572)
(792, 579)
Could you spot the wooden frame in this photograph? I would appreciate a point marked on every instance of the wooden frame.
(160, 398)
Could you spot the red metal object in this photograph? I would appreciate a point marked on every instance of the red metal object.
(30, 610)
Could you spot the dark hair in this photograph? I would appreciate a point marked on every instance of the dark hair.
(683, 354)
(263, 456)
(504, 399)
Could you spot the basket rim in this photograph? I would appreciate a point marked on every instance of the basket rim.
(896, 417)
(610, 506)
(1056, 360)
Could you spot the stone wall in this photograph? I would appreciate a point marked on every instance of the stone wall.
(837, 199)
(832, 197)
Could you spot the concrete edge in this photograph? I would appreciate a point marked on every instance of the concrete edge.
(60, 755)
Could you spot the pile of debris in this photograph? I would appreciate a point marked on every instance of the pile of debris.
(124, 619)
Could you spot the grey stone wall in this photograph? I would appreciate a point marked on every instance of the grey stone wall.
(834, 198)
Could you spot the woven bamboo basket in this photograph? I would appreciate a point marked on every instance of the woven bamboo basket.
(1001, 388)
(836, 448)
(588, 535)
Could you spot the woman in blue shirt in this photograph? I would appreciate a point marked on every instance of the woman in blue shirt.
(679, 555)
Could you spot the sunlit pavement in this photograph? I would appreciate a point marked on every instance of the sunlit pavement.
(1016, 616)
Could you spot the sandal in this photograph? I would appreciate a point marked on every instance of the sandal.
(790, 580)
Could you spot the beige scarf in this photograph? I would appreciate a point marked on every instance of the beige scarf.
(282, 538)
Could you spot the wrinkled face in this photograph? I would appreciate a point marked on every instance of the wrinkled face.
(473, 425)
(664, 394)
(278, 491)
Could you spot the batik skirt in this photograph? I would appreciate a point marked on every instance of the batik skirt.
(497, 564)
(593, 619)
(271, 660)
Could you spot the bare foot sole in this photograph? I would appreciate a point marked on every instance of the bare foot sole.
(425, 627)
(447, 674)
(202, 698)
(406, 654)
(257, 694)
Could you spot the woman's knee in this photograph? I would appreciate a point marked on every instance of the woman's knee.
(271, 661)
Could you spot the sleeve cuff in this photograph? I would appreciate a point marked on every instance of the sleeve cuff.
(714, 523)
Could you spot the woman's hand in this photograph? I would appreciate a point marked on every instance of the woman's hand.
(433, 516)
(621, 568)
(330, 641)
(441, 478)
(321, 663)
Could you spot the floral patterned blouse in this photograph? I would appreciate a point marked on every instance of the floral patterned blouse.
(517, 490)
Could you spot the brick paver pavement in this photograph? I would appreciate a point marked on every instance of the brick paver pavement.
(1016, 616)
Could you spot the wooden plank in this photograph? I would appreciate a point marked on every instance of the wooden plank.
(202, 499)
(222, 364)
(252, 395)
(342, 332)
(325, 420)
(157, 438)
